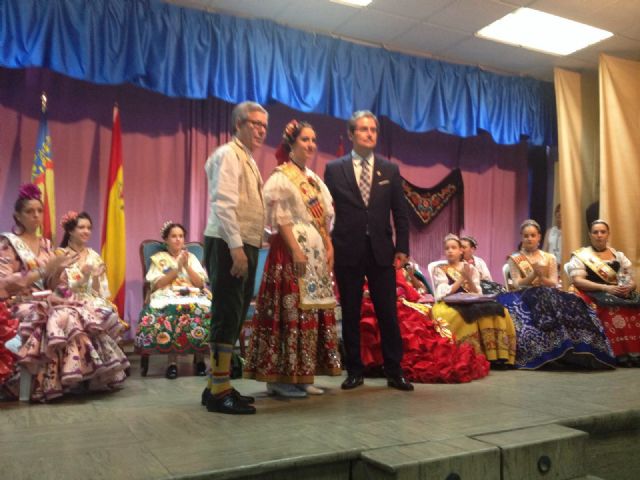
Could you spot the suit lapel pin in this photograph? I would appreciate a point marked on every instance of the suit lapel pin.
(378, 173)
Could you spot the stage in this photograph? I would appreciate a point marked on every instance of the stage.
(510, 425)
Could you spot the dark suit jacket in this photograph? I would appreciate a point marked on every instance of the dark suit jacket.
(354, 218)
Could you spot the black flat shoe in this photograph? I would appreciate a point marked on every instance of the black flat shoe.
(206, 393)
(172, 372)
(352, 382)
(201, 369)
(229, 404)
(400, 383)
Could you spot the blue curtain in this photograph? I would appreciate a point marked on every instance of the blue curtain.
(187, 53)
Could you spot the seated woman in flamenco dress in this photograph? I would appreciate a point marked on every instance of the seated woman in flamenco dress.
(431, 354)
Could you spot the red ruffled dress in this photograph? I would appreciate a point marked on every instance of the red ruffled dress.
(430, 352)
(8, 329)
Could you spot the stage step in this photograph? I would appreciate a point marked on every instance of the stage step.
(547, 451)
(544, 452)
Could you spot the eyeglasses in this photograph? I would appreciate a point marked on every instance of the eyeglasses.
(257, 124)
(367, 129)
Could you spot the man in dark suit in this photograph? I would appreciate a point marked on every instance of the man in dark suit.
(367, 191)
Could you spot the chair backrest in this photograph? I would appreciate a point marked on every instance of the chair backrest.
(566, 271)
(506, 274)
(431, 268)
(148, 248)
(262, 258)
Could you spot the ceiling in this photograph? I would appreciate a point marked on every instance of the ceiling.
(444, 29)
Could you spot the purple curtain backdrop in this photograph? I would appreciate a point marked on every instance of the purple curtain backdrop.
(166, 142)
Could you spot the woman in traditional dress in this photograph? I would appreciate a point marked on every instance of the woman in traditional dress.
(63, 346)
(87, 284)
(469, 246)
(294, 327)
(473, 319)
(177, 318)
(553, 326)
(603, 277)
(430, 354)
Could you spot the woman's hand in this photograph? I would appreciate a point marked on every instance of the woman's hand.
(183, 260)
(87, 269)
(56, 264)
(299, 262)
(467, 272)
(618, 291)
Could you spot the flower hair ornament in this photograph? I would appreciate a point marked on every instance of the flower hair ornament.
(30, 191)
(289, 130)
(165, 225)
(68, 217)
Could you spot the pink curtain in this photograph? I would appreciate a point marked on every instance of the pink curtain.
(166, 142)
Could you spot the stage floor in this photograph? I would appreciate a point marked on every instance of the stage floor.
(156, 428)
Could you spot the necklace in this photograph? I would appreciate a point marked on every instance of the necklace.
(301, 167)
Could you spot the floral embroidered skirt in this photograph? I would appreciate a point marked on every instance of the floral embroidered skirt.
(621, 325)
(289, 344)
(429, 353)
(553, 325)
(494, 336)
(64, 346)
(176, 329)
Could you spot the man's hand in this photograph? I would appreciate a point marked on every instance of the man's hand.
(240, 265)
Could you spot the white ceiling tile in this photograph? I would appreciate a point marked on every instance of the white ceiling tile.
(428, 38)
(477, 51)
(374, 26)
(470, 15)
(616, 45)
(612, 15)
(414, 9)
(253, 8)
(316, 15)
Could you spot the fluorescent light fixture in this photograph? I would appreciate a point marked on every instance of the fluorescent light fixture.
(543, 32)
(353, 3)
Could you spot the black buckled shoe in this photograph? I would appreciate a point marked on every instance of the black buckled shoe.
(172, 372)
(400, 383)
(230, 404)
(206, 393)
(352, 382)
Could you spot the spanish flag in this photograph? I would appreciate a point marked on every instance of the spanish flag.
(114, 252)
(42, 174)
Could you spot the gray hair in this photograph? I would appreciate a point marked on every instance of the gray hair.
(241, 112)
(357, 115)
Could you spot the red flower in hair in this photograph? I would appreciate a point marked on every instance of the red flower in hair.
(30, 191)
(70, 216)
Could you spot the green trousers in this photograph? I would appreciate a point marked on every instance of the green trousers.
(231, 295)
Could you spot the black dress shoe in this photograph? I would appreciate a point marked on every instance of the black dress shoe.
(352, 382)
(201, 369)
(400, 383)
(172, 372)
(230, 404)
(206, 393)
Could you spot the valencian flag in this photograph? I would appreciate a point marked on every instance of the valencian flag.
(42, 174)
(113, 232)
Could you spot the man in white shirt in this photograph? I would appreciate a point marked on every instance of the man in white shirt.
(233, 237)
